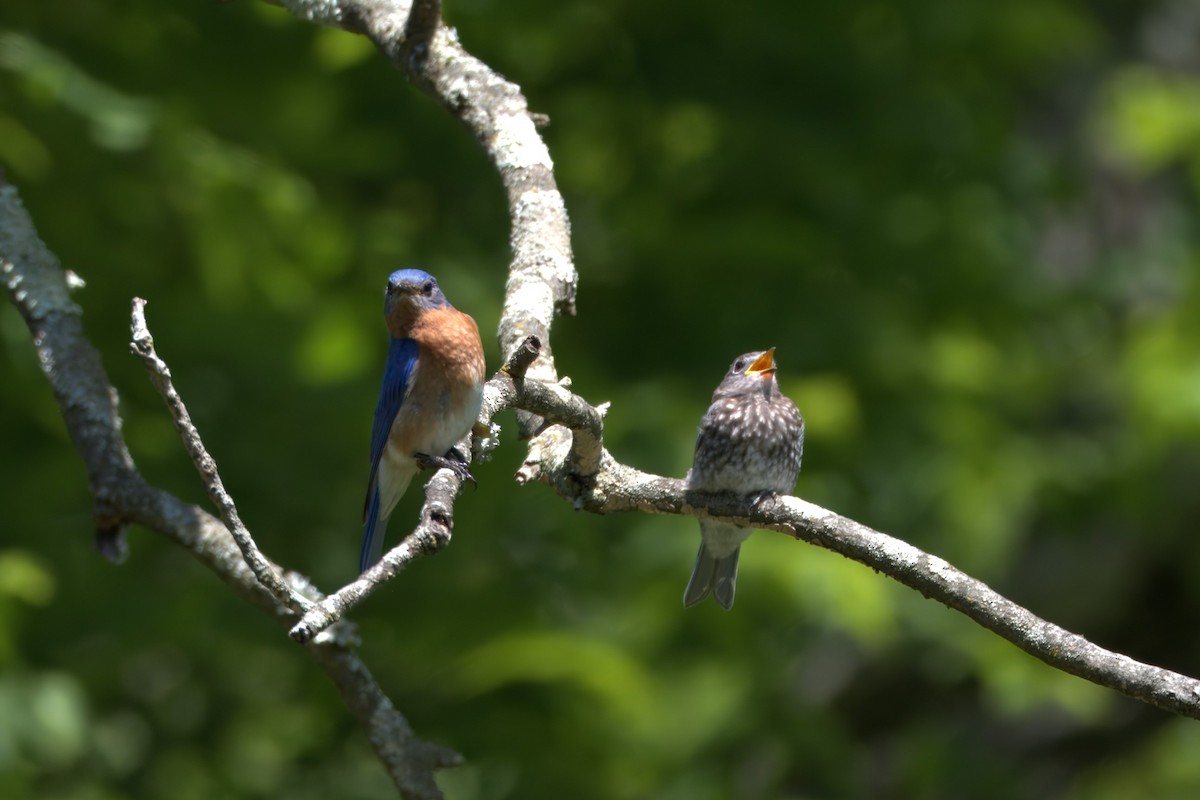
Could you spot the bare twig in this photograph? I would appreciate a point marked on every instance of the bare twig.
(38, 287)
(160, 375)
(433, 532)
(430, 536)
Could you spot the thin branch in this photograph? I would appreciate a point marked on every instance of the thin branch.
(433, 532)
(160, 375)
(616, 487)
(38, 287)
(429, 537)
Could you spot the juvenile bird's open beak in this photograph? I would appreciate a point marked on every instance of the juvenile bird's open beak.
(763, 366)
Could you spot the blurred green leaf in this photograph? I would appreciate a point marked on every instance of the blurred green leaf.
(23, 577)
(1150, 117)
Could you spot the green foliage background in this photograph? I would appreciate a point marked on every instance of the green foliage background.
(970, 228)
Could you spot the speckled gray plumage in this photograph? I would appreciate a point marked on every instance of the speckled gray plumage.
(751, 440)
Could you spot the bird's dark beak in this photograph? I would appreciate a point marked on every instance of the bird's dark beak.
(763, 366)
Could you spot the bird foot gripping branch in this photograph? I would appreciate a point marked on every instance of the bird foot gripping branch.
(454, 461)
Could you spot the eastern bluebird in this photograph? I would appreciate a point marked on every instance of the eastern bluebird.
(750, 441)
(430, 398)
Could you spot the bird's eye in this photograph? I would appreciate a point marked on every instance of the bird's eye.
(427, 288)
(740, 365)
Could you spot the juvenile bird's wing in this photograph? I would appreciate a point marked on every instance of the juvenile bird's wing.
(401, 359)
(714, 447)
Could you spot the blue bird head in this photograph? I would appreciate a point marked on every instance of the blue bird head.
(414, 288)
(410, 293)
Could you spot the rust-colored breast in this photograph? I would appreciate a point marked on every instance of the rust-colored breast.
(450, 346)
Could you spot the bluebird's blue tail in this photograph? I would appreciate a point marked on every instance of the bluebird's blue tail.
(373, 528)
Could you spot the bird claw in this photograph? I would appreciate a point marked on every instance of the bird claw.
(453, 461)
(757, 500)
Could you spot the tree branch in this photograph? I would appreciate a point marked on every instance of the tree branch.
(566, 453)
(541, 276)
(160, 376)
(616, 487)
(505, 390)
(430, 536)
(606, 486)
(38, 287)
(541, 283)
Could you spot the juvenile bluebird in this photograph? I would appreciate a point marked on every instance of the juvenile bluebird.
(430, 398)
(750, 442)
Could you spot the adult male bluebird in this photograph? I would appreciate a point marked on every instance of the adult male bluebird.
(750, 442)
(430, 398)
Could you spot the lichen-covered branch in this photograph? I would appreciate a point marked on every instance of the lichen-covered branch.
(541, 276)
(616, 487)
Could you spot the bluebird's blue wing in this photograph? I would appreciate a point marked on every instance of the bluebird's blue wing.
(401, 358)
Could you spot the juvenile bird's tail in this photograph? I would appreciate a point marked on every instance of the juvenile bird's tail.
(714, 574)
